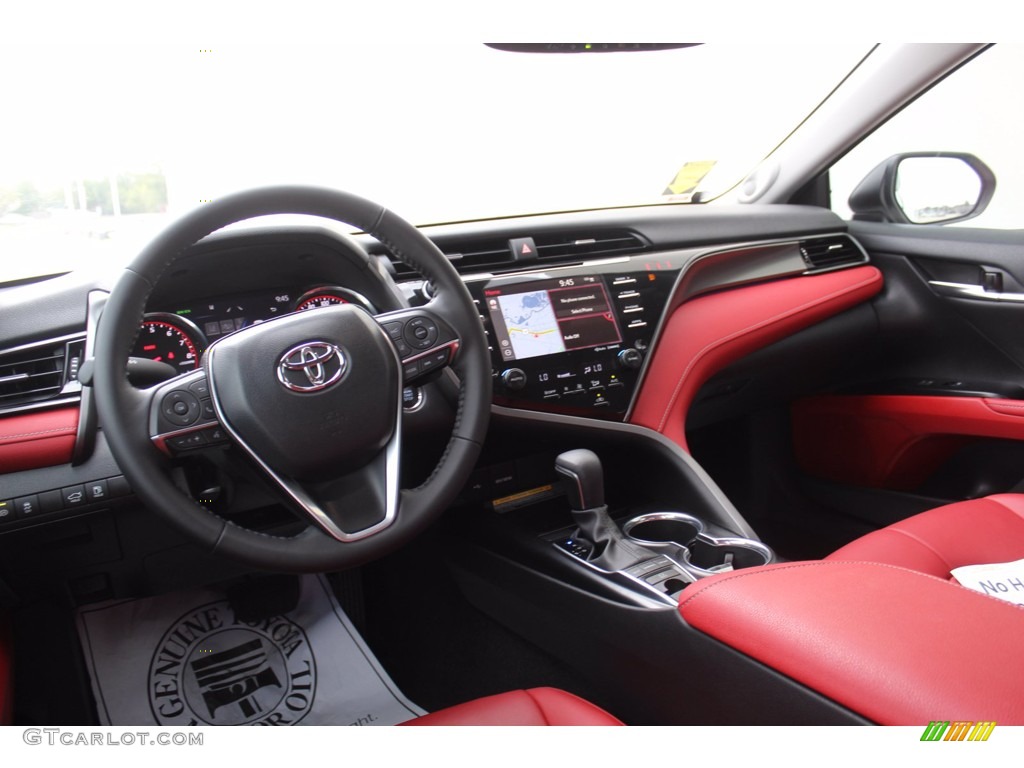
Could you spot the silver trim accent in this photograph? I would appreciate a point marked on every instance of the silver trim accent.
(971, 291)
(658, 517)
(649, 590)
(392, 454)
(312, 357)
(679, 553)
(44, 342)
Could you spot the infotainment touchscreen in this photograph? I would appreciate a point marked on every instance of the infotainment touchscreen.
(544, 317)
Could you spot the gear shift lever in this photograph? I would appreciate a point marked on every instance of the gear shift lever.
(583, 479)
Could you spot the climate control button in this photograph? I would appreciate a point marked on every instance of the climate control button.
(630, 358)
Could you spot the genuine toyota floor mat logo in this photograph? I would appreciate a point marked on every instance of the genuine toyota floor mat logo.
(210, 668)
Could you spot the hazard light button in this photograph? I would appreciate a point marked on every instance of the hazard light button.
(523, 249)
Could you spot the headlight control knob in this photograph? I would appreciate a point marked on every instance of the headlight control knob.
(513, 378)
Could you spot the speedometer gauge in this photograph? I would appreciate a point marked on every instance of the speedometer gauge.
(330, 295)
(170, 339)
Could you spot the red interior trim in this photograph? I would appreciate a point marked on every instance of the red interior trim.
(898, 647)
(38, 439)
(894, 441)
(708, 333)
(536, 706)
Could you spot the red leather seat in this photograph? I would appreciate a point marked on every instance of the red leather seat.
(878, 627)
(536, 706)
(988, 530)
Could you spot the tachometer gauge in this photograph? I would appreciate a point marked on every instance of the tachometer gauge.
(329, 295)
(170, 339)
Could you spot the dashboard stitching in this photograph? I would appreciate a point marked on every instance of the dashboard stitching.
(7, 438)
(762, 324)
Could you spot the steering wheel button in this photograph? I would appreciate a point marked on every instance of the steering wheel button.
(187, 442)
(200, 388)
(180, 408)
(208, 412)
(394, 329)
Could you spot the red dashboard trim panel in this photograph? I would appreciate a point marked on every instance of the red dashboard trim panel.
(894, 441)
(39, 439)
(707, 333)
(898, 647)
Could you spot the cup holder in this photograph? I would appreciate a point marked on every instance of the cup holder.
(661, 528)
(701, 553)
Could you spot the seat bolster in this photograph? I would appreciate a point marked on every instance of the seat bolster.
(536, 706)
(895, 646)
(975, 532)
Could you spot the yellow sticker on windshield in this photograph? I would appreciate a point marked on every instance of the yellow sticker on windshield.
(688, 177)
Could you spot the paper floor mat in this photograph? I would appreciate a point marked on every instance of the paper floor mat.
(184, 659)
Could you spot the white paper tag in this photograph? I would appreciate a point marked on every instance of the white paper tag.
(1002, 580)
(185, 659)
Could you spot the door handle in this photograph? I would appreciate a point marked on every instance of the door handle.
(973, 291)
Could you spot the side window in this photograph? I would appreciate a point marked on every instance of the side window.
(978, 110)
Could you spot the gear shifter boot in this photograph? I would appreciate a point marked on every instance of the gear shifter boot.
(611, 550)
(583, 478)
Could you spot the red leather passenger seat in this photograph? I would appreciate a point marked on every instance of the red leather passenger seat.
(975, 532)
(536, 706)
(878, 627)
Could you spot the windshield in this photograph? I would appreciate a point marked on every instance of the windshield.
(103, 145)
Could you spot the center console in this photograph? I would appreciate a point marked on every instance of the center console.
(656, 552)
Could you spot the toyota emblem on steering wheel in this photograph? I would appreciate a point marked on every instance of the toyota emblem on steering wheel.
(311, 366)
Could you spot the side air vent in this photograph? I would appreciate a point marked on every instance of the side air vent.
(826, 253)
(40, 372)
(493, 254)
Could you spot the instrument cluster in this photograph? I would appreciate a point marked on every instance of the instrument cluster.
(180, 338)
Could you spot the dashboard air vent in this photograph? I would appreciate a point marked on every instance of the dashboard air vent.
(595, 245)
(492, 254)
(831, 253)
(39, 372)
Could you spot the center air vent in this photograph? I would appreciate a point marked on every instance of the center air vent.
(37, 373)
(492, 254)
(825, 253)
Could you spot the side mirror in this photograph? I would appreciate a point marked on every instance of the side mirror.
(924, 188)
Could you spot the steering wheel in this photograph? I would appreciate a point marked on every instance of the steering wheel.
(313, 398)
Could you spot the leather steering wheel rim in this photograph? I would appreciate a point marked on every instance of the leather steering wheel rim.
(123, 410)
